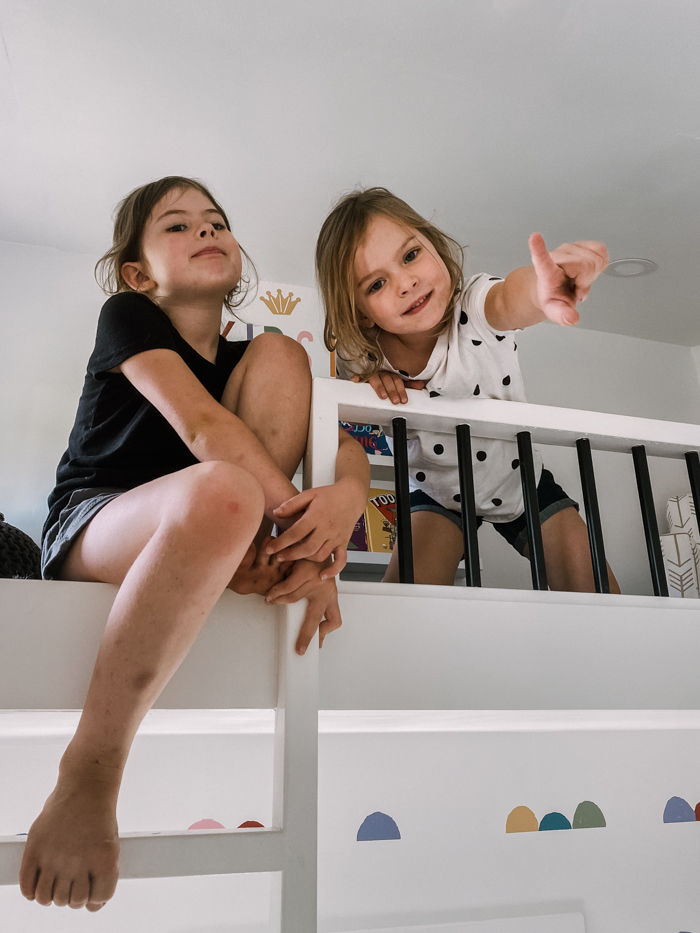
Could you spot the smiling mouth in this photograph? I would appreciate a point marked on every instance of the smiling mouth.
(210, 250)
(418, 305)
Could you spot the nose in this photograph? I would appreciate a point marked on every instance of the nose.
(407, 281)
(207, 228)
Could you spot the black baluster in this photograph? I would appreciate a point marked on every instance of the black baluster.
(466, 495)
(590, 504)
(651, 529)
(692, 461)
(532, 511)
(404, 539)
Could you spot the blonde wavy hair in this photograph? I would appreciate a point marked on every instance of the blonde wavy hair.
(130, 218)
(338, 241)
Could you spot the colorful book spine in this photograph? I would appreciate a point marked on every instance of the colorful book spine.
(370, 436)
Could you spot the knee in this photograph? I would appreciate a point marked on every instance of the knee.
(280, 351)
(220, 497)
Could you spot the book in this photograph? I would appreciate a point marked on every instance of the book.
(371, 436)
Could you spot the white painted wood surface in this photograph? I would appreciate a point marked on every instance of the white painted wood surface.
(244, 658)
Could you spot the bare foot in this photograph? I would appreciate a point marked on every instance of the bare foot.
(72, 851)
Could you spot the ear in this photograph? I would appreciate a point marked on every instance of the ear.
(136, 276)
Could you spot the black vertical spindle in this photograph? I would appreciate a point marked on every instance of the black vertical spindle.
(651, 529)
(692, 461)
(466, 495)
(532, 511)
(590, 504)
(404, 540)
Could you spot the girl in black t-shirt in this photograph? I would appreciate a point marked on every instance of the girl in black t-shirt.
(178, 464)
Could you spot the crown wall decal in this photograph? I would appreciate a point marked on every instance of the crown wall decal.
(279, 304)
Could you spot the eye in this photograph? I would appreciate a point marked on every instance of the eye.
(217, 225)
(375, 286)
(176, 228)
(411, 255)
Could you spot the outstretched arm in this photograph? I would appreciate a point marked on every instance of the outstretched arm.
(549, 288)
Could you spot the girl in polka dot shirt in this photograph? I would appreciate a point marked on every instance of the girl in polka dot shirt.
(400, 314)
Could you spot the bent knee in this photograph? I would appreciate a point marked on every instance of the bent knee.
(220, 493)
(279, 349)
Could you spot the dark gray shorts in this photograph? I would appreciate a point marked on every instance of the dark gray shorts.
(82, 506)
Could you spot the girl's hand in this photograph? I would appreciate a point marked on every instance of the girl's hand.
(322, 613)
(389, 385)
(258, 572)
(324, 528)
(565, 275)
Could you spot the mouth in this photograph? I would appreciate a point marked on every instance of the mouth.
(209, 251)
(418, 305)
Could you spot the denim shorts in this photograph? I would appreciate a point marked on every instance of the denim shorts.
(550, 496)
(82, 506)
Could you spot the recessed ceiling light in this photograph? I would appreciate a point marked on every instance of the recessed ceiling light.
(626, 267)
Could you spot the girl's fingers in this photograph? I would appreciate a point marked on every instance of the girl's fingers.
(377, 385)
(305, 549)
(561, 312)
(395, 387)
(296, 504)
(291, 536)
(332, 622)
(545, 266)
(415, 384)
(293, 594)
(340, 559)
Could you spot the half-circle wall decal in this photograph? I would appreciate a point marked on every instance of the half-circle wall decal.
(697, 812)
(251, 824)
(377, 826)
(588, 815)
(522, 820)
(554, 821)
(678, 810)
(207, 824)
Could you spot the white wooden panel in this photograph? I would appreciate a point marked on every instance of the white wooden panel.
(499, 419)
(50, 632)
(544, 923)
(432, 647)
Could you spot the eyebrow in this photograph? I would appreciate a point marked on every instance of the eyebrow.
(399, 250)
(209, 210)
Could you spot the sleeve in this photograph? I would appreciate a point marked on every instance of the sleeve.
(346, 369)
(129, 324)
(473, 302)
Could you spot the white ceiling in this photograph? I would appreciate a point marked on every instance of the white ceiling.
(498, 117)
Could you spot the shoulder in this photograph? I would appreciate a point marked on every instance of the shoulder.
(470, 313)
(129, 323)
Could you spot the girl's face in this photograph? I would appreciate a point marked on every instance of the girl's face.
(401, 284)
(187, 250)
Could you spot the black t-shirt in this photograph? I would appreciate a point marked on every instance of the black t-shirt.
(119, 439)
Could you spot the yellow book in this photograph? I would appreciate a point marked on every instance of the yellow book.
(380, 520)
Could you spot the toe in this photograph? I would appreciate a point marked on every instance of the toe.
(79, 892)
(61, 891)
(44, 887)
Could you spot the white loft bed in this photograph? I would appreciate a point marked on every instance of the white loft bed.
(486, 650)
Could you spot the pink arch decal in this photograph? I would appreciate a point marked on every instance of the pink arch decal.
(305, 335)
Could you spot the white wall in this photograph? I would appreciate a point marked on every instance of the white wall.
(49, 304)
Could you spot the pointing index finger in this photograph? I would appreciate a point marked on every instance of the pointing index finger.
(541, 260)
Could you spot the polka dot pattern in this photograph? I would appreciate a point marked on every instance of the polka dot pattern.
(515, 464)
(463, 319)
(457, 498)
(435, 395)
(500, 337)
(497, 502)
(477, 343)
(506, 380)
(477, 390)
(481, 455)
(420, 477)
(439, 449)
(404, 373)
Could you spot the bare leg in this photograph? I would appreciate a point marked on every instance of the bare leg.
(567, 554)
(270, 391)
(437, 550)
(173, 545)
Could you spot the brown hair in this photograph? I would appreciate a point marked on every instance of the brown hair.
(130, 218)
(338, 241)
